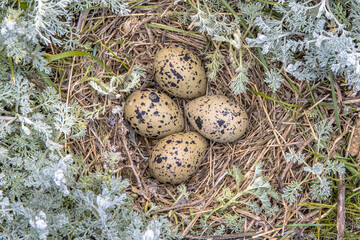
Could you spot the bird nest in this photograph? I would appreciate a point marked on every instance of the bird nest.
(217, 202)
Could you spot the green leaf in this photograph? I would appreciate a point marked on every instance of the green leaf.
(51, 58)
(115, 56)
(275, 100)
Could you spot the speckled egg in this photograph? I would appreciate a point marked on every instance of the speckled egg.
(217, 117)
(176, 158)
(152, 113)
(179, 72)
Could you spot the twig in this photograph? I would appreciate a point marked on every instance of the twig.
(267, 232)
(344, 132)
(38, 83)
(341, 209)
(8, 118)
(283, 175)
(351, 101)
(133, 167)
(83, 17)
(246, 235)
(129, 71)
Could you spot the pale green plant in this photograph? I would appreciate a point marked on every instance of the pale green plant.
(183, 194)
(303, 27)
(259, 187)
(214, 67)
(320, 189)
(235, 223)
(45, 193)
(113, 88)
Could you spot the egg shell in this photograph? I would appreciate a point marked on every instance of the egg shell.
(152, 113)
(217, 118)
(179, 72)
(177, 157)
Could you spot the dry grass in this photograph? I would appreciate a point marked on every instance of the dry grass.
(272, 131)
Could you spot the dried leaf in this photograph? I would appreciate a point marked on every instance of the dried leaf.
(354, 147)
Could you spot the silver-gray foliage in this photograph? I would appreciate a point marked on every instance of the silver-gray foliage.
(320, 189)
(44, 22)
(328, 40)
(43, 193)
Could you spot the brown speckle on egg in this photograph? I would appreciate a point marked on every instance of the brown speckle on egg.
(176, 157)
(179, 72)
(152, 113)
(217, 118)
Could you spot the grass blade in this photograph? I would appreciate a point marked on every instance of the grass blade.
(275, 100)
(50, 83)
(115, 56)
(51, 58)
(12, 69)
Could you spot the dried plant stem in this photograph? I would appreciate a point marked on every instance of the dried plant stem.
(246, 235)
(341, 210)
(124, 141)
(8, 118)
